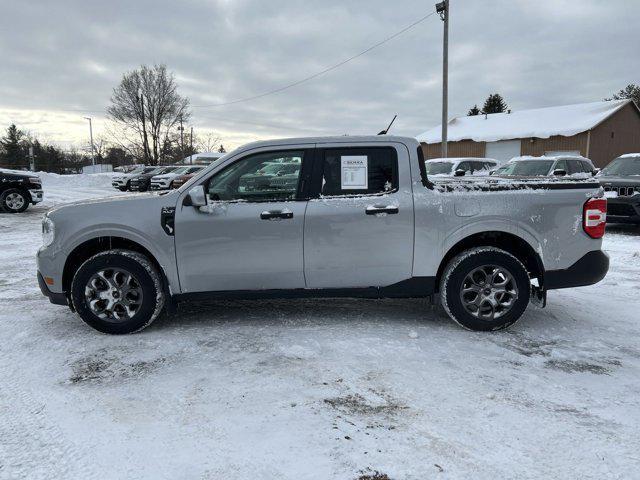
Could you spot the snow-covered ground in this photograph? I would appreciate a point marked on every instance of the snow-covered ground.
(317, 389)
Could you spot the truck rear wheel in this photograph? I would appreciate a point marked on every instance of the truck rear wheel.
(117, 292)
(14, 200)
(485, 289)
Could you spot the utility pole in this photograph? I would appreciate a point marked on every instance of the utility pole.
(181, 128)
(443, 10)
(191, 147)
(93, 150)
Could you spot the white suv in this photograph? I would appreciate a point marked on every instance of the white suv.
(458, 167)
(165, 181)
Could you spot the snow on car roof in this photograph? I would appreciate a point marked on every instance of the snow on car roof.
(461, 159)
(629, 155)
(551, 157)
(566, 120)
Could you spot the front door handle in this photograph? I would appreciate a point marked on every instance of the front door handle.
(276, 214)
(376, 209)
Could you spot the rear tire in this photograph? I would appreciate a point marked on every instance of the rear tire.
(14, 200)
(117, 292)
(485, 289)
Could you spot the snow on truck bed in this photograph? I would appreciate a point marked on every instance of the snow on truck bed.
(564, 120)
(317, 389)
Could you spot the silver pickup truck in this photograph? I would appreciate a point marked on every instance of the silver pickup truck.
(362, 220)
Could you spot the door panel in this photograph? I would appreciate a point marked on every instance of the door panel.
(360, 240)
(232, 248)
(250, 235)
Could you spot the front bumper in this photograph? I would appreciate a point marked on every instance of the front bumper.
(55, 298)
(623, 209)
(36, 196)
(590, 269)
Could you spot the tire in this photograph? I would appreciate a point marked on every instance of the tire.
(485, 304)
(123, 189)
(14, 200)
(117, 292)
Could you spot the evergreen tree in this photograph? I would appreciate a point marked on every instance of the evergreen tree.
(473, 111)
(631, 91)
(14, 151)
(494, 104)
(221, 149)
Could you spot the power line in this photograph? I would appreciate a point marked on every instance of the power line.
(294, 84)
(322, 72)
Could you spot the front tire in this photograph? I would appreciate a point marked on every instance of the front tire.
(14, 200)
(117, 292)
(485, 289)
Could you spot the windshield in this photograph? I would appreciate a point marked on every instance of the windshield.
(623, 166)
(526, 168)
(150, 169)
(438, 168)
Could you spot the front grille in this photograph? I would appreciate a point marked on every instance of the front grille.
(622, 191)
(620, 209)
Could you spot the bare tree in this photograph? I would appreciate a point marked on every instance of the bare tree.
(145, 107)
(207, 142)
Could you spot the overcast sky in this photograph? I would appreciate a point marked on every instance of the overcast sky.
(69, 54)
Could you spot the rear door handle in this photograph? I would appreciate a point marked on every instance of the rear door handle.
(388, 209)
(276, 214)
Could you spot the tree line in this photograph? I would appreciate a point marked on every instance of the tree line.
(147, 123)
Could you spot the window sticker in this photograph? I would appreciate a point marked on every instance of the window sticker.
(354, 172)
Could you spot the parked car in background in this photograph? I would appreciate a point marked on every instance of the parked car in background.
(142, 181)
(546, 166)
(165, 181)
(449, 167)
(271, 175)
(621, 182)
(18, 190)
(123, 181)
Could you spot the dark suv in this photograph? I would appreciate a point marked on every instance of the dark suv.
(142, 182)
(621, 182)
(18, 190)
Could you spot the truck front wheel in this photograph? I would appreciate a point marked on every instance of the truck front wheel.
(485, 289)
(117, 292)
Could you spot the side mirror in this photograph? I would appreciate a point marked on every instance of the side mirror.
(559, 172)
(196, 197)
(492, 172)
(595, 171)
(459, 173)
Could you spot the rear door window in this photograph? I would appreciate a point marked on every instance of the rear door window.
(356, 171)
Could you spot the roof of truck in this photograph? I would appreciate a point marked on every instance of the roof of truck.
(335, 139)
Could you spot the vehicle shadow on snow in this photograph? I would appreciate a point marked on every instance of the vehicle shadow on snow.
(303, 312)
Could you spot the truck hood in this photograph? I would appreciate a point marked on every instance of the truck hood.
(101, 207)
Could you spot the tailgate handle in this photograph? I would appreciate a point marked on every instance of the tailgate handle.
(276, 214)
(388, 209)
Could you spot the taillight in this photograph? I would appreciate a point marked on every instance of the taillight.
(594, 217)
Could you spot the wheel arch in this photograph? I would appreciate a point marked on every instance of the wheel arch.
(509, 242)
(91, 247)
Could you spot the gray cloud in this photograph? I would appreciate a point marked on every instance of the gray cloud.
(70, 54)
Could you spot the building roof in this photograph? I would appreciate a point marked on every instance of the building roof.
(566, 120)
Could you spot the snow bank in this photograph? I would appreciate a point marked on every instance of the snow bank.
(565, 120)
(81, 180)
(68, 188)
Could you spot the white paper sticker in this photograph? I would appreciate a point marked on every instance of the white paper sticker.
(355, 173)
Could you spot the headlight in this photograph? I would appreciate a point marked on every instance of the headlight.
(48, 231)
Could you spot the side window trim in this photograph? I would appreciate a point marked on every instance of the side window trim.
(316, 177)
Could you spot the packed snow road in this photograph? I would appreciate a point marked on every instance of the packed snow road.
(317, 389)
